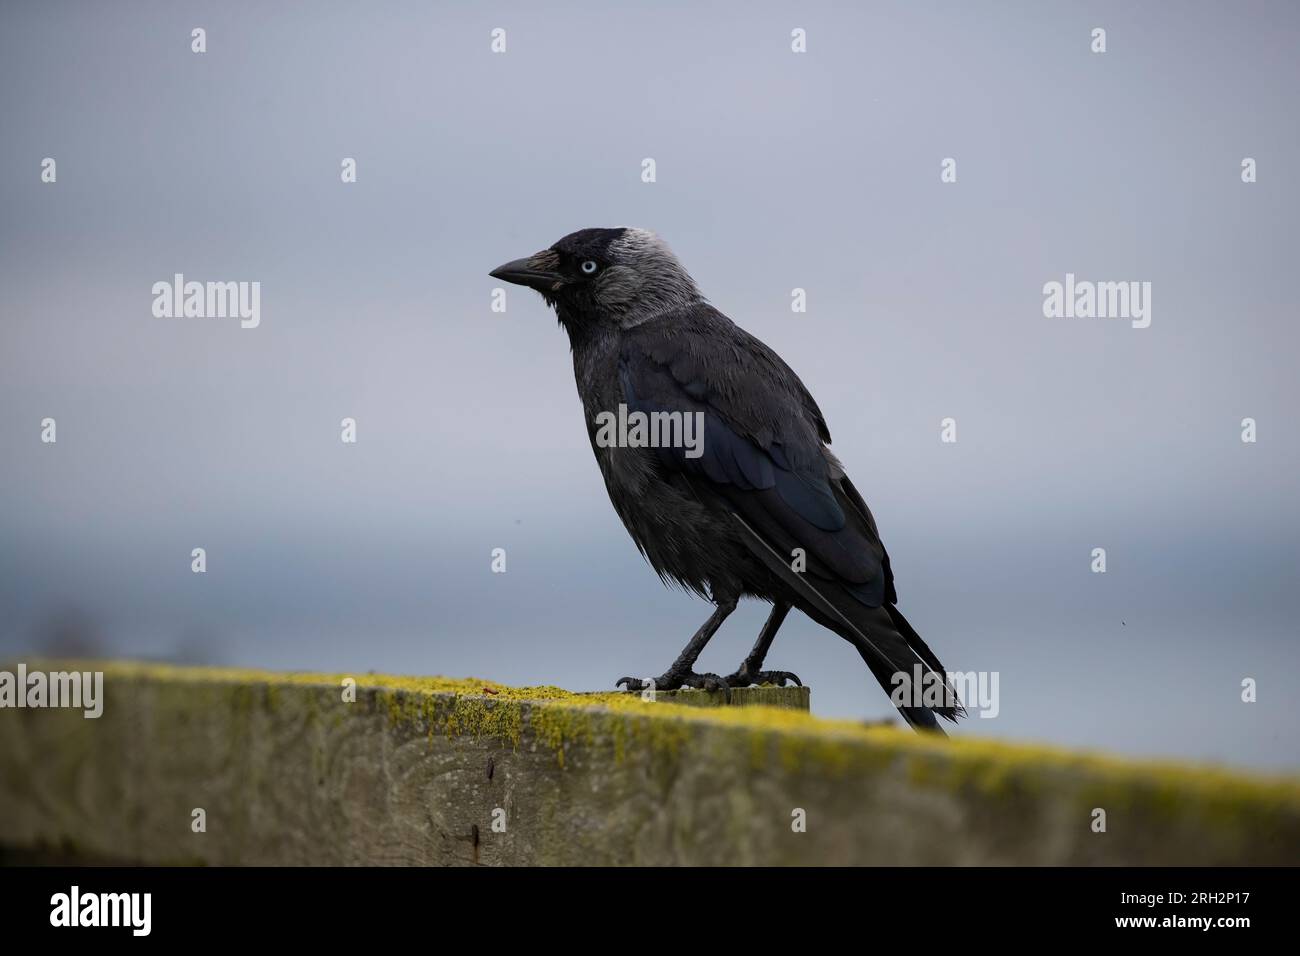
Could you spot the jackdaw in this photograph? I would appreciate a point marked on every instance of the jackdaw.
(761, 507)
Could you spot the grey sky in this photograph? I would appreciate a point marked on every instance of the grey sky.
(775, 170)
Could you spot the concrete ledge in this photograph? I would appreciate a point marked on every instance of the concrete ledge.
(436, 771)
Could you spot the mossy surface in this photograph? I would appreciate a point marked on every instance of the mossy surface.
(797, 741)
(293, 768)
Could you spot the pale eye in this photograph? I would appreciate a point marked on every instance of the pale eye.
(589, 266)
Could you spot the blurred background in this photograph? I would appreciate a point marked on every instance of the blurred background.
(775, 170)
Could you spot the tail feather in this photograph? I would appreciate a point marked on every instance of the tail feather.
(892, 650)
(914, 640)
(903, 662)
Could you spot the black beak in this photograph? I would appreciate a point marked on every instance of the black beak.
(531, 272)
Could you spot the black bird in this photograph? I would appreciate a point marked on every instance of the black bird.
(761, 507)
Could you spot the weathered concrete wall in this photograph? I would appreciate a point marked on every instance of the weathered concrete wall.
(415, 771)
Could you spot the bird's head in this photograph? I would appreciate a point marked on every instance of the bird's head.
(594, 277)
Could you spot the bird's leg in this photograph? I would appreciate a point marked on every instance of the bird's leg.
(751, 669)
(681, 674)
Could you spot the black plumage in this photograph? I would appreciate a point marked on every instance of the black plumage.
(762, 509)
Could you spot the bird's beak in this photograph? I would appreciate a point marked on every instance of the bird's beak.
(537, 272)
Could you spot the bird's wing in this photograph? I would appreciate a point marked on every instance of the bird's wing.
(763, 453)
(762, 445)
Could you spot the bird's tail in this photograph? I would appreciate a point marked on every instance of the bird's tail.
(902, 663)
(917, 684)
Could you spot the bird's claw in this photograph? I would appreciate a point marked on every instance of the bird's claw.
(673, 681)
(707, 682)
(744, 678)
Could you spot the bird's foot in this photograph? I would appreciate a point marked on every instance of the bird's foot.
(744, 677)
(672, 680)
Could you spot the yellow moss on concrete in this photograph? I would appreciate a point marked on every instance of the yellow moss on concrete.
(557, 718)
